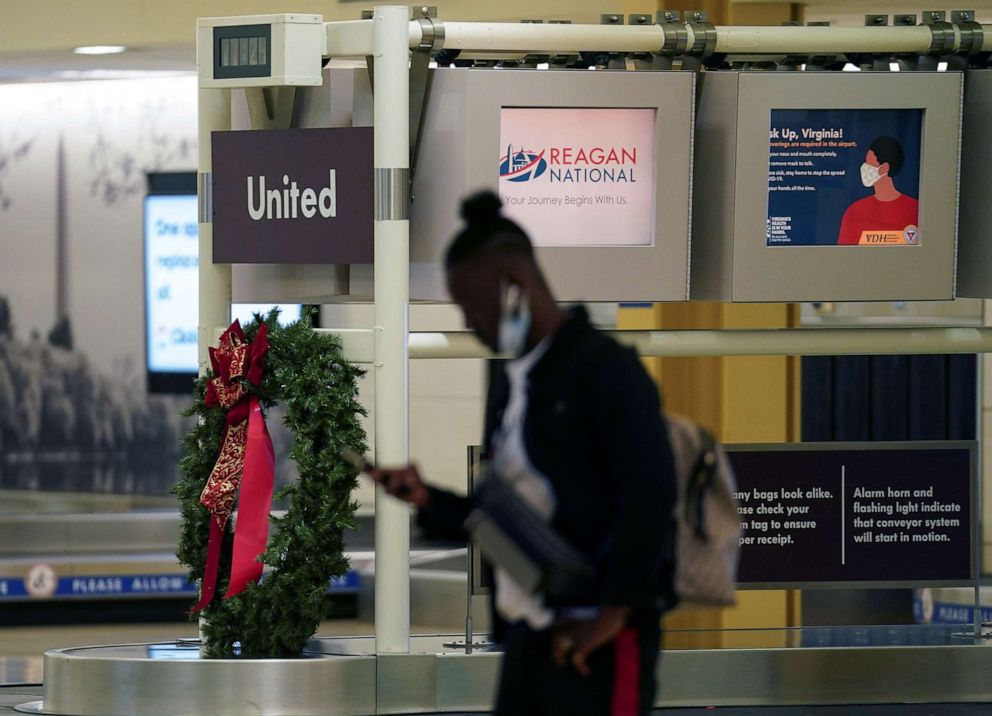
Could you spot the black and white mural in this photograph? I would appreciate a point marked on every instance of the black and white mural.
(74, 414)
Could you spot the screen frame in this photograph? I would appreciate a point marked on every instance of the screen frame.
(927, 271)
(625, 273)
(460, 155)
(974, 249)
(180, 183)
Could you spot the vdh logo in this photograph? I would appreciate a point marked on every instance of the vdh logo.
(911, 234)
(522, 164)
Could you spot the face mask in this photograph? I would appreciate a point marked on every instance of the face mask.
(869, 174)
(514, 321)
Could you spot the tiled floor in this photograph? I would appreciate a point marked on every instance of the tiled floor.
(36, 640)
(887, 710)
(12, 696)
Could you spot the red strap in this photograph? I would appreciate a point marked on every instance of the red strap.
(626, 674)
(209, 585)
(252, 529)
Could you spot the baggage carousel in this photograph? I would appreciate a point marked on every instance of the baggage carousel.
(743, 669)
(342, 676)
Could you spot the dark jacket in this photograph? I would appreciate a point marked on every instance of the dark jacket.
(593, 427)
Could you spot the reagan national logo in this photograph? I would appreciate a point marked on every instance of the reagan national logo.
(521, 165)
(570, 165)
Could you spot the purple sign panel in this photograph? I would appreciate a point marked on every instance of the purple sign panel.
(837, 513)
(293, 196)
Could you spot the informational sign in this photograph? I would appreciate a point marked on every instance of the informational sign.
(293, 196)
(948, 606)
(579, 177)
(171, 270)
(99, 586)
(41, 581)
(122, 585)
(820, 512)
(846, 177)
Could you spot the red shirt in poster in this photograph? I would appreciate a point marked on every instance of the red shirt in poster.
(869, 221)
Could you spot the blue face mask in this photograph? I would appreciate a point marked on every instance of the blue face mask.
(514, 321)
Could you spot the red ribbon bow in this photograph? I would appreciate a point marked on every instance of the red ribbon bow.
(246, 461)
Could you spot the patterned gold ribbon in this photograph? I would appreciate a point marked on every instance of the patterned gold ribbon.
(236, 363)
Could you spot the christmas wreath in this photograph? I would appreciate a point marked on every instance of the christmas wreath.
(229, 454)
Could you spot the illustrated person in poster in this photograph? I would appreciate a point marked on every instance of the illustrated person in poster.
(573, 424)
(887, 216)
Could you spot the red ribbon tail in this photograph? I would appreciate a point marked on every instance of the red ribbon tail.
(252, 529)
(209, 585)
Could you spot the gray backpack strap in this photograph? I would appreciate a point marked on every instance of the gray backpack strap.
(700, 482)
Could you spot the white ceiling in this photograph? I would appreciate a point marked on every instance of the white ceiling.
(62, 65)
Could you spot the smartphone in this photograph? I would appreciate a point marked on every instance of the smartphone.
(362, 464)
(359, 461)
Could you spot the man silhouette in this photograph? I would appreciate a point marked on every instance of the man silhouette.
(887, 216)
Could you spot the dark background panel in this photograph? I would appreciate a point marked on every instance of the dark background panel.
(961, 396)
(851, 398)
(817, 394)
(897, 397)
(889, 397)
(927, 397)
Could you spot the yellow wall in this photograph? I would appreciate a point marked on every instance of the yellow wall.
(743, 400)
(723, 12)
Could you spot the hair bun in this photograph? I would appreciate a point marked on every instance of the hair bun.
(481, 208)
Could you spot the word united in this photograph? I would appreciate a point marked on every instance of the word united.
(289, 202)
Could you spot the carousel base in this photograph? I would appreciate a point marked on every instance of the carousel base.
(344, 677)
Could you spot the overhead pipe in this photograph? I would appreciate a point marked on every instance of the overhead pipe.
(357, 344)
(914, 39)
(696, 38)
(739, 342)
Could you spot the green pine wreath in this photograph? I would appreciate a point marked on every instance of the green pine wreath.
(306, 373)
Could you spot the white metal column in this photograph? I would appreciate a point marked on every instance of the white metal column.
(391, 96)
(213, 114)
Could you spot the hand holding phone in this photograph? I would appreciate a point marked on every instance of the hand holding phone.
(403, 483)
(359, 461)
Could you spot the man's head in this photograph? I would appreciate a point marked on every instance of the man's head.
(487, 257)
(885, 154)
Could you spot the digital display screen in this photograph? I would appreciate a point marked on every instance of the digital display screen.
(172, 288)
(172, 292)
(844, 177)
(579, 176)
(242, 51)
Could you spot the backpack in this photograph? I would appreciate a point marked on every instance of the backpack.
(708, 542)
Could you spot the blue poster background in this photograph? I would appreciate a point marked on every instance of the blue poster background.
(812, 182)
